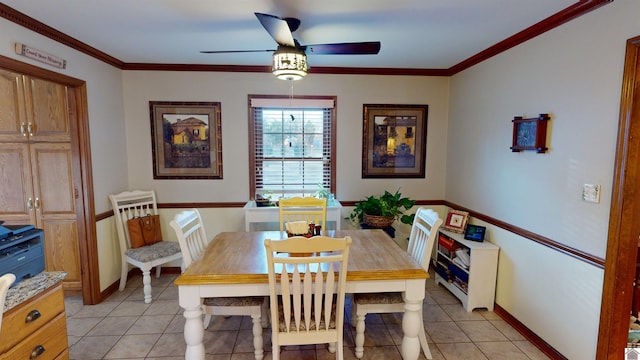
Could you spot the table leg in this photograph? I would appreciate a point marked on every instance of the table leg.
(189, 299)
(258, 344)
(414, 295)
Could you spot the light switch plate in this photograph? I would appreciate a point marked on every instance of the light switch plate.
(591, 193)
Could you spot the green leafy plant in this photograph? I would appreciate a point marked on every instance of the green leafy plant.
(386, 205)
(321, 193)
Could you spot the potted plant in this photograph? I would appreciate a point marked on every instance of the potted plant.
(264, 199)
(382, 211)
(322, 192)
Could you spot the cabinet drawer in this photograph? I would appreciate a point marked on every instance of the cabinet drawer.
(64, 355)
(25, 319)
(51, 339)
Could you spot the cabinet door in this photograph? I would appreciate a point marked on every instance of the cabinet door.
(55, 207)
(16, 192)
(47, 111)
(13, 122)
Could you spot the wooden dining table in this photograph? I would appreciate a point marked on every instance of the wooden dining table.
(235, 264)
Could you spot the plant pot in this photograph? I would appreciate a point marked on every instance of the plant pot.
(263, 203)
(377, 221)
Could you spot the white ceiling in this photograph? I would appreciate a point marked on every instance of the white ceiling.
(421, 34)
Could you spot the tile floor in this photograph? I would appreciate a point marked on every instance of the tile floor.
(124, 327)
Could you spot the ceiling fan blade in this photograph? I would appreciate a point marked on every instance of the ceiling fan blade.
(233, 51)
(277, 28)
(356, 48)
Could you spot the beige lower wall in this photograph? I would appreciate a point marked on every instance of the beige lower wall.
(554, 295)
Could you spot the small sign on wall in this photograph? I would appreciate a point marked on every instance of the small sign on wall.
(28, 51)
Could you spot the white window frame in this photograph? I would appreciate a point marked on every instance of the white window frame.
(257, 103)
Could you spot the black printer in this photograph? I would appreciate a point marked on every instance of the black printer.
(21, 251)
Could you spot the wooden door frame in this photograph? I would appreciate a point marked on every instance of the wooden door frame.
(82, 171)
(624, 218)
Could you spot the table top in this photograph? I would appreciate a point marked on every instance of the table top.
(240, 258)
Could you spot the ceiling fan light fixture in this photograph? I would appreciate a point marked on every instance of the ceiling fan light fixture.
(289, 63)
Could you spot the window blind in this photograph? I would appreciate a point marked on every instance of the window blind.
(292, 147)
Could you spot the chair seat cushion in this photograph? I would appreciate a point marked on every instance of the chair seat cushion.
(155, 251)
(234, 301)
(378, 298)
(312, 324)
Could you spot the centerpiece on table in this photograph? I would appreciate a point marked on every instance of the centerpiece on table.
(302, 228)
(381, 211)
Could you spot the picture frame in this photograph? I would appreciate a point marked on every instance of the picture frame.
(530, 134)
(456, 221)
(394, 141)
(186, 140)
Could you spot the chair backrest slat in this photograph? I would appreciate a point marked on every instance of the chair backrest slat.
(191, 235)
(309, 209)
(423, 235)
(310, 282)
(128, 205)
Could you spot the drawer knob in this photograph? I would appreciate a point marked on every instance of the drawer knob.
(32, 316)
(37, 351)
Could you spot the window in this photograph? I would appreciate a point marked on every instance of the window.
(292, 145)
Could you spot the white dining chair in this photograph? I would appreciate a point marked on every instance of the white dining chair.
(128, 205)
(306, 289)
(5, 282)
(309, 209)
(421, 243)
(193, 241)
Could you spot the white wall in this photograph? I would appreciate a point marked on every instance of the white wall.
(232, 89)
(574, 73)
(106, 125)
(104, 97)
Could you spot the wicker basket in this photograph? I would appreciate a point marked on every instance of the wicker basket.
(376, 221)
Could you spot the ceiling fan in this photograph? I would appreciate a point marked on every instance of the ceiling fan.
(289, 59)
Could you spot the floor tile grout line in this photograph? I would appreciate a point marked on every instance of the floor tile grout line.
(387, 326)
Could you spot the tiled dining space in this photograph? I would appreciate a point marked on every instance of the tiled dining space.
(124, 327)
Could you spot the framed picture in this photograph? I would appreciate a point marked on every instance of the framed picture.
(456, 221)
(186, 140)
(394, 141)
(530, 134)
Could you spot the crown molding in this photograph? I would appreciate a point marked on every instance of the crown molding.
(34, 25)
(580, 8)
(574, 11)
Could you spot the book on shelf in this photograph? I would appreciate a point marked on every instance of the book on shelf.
(458, 261)
(448, 243)
(458, 272)
(445, 241)
(461, 285)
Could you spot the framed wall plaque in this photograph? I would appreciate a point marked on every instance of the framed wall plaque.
(530, 134)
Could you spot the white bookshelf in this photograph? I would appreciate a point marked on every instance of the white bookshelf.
(480, 288)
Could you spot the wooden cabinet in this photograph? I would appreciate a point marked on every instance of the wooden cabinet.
(36, 168)
(37, 326)
(475, 284)
(38, 189)
(32, 109)
(12, 117)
